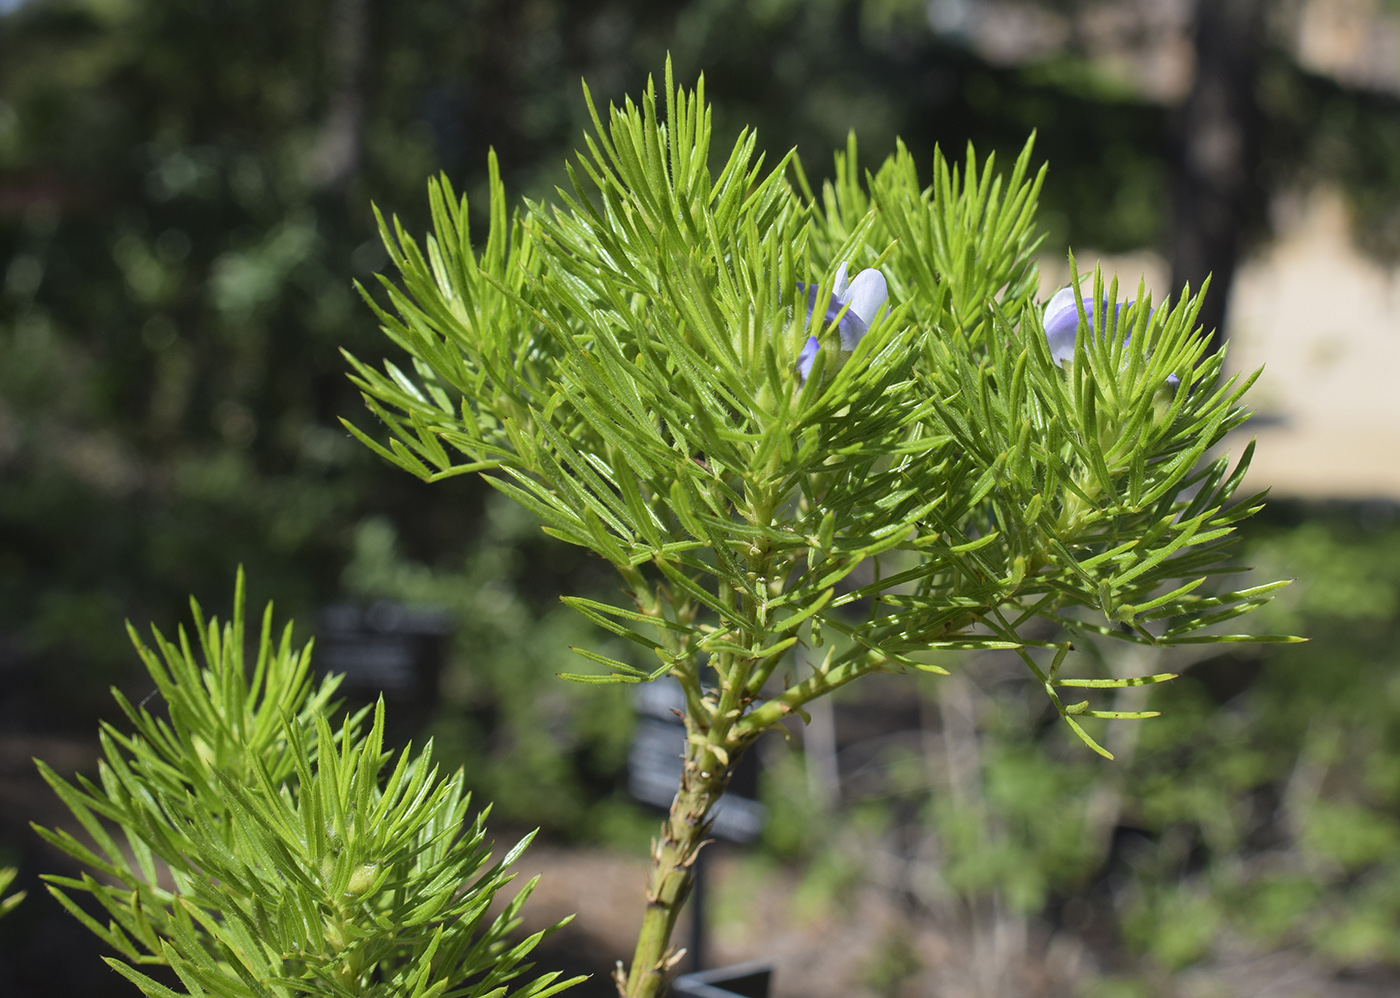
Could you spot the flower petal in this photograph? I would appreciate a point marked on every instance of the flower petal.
(866, 294)
(1061, 324)
(852, 328)
(1062, 301)
(838, 289)
(807, 358)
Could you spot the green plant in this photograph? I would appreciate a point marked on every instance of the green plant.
(632, 366)
(263, 853)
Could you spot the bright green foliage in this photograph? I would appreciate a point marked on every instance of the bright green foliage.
(623, 364)
(7, 877)
(262, 853)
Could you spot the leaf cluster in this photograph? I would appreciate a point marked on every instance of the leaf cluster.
(623, 363)
(7, 904)
(259, 852)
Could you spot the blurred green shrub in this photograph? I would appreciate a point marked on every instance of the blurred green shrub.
(1287, 792)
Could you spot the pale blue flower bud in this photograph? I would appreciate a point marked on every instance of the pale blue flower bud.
(1061, 322)
(862, 298)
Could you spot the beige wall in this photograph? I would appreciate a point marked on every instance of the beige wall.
(1324, 322)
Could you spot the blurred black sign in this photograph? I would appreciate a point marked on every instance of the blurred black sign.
(385, 647)
(739, 980)
(656, 759)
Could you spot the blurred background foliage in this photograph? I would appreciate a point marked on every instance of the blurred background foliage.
(1260, 812)
(185, 201)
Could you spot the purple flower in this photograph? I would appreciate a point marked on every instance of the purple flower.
(861, 299)
(1061, 322)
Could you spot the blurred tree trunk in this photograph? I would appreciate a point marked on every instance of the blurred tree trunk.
(336, 157)
(1215, 153)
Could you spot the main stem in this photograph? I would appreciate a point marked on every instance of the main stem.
(673, 872)
(713, 747)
